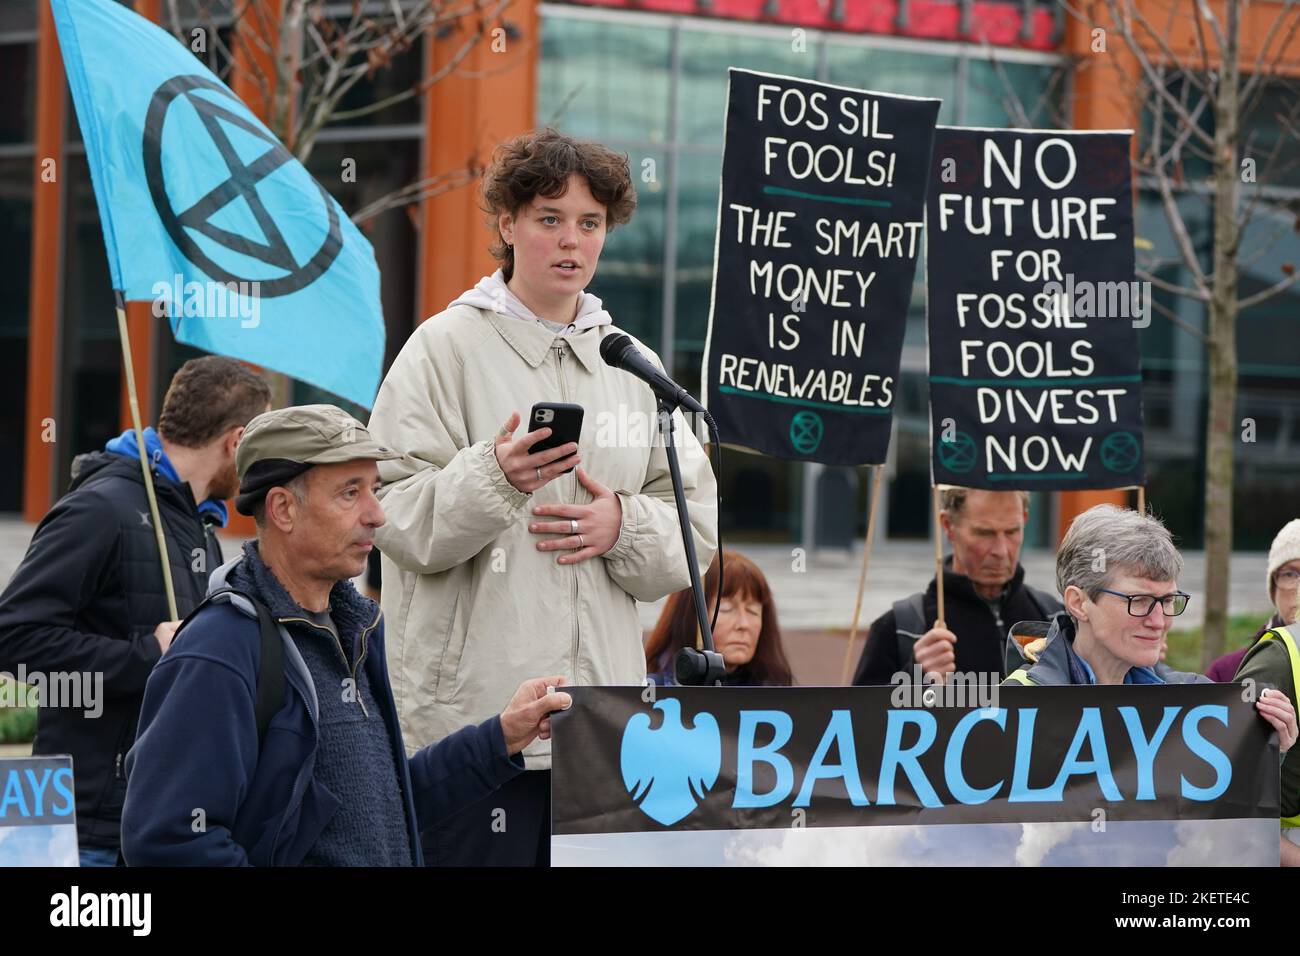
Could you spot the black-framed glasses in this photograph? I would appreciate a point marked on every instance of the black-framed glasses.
(1140, 605)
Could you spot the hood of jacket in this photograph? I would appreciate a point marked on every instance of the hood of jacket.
(1051, 659)
(492, 294)
(124, 446)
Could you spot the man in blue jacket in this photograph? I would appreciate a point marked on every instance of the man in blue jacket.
(330, 782)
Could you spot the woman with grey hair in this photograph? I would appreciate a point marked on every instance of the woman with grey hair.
(1117, 571)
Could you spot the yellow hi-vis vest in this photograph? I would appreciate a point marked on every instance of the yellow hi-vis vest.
(1288, 640)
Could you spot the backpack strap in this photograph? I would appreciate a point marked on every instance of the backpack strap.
(270, 671)
(909, 626)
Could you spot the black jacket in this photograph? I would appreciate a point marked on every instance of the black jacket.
(85, 600)
(981, 634)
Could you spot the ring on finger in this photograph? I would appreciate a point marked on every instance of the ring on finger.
(581, 545)
(573, 526)
(539, 473)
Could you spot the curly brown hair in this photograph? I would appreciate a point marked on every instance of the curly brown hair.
(539, 163)
(209, 396)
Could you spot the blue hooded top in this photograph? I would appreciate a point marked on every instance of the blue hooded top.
(125, 445)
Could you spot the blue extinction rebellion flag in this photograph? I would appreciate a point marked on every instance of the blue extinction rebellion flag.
(205, 212)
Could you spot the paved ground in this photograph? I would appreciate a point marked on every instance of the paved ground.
(815, 596)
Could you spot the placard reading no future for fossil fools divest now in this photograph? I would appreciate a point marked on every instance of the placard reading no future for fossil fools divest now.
(819, 228)
(1033, 311)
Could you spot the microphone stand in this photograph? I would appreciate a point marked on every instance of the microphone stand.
(692, 668)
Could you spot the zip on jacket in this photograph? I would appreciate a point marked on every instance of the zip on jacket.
(559, 350)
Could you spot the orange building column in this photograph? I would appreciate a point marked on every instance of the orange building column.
(488, 97)
(47, 257)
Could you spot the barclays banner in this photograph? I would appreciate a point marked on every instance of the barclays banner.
(38, 812)
(1073, 776)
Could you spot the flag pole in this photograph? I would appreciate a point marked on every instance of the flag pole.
(862, 578)
(144, 456)
(938, 555)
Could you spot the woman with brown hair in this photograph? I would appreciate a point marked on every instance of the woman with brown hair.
(501, 561)
(747, 634)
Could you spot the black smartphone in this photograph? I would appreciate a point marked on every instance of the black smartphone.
(562, 418)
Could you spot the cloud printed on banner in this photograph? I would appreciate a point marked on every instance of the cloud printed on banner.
(1134, 843)
(1198, 847)
(1147, 843)
(1037, 840)
(53, 845)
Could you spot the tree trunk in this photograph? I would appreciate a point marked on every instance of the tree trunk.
(1221, 425)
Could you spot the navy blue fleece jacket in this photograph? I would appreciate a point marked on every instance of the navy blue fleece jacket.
(201, 792)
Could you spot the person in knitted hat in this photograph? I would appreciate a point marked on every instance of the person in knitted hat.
(1273, 660)
(1283, 576)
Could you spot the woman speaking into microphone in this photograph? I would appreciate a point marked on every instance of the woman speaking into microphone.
(503, 559)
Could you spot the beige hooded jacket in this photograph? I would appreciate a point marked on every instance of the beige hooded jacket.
(472, 607)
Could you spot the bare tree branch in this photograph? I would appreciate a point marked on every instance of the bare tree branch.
(1253, 84)
(1014, 108)
(1173, 317)
(1266, 246)
(1263, 295)
(417, 192)
(333, 114)
(1149, 70)
(1176, 224)
(1204, 9)
(1159, 283)
(1287, 123)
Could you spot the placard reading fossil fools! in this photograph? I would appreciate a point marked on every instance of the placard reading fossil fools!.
(1033, 311)
(819, 229)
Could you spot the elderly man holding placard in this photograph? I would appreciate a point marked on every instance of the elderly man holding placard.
(985, 593)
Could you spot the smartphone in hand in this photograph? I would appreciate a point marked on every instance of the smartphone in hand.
(562, 418)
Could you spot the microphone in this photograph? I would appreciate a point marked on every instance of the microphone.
(621, 352)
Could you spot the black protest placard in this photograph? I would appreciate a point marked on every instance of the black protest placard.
(1033, 311)
(819, 229)
(626, 760)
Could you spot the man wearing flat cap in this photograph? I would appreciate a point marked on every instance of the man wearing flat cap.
(234, 767)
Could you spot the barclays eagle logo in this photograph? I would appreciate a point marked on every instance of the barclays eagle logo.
(669, 770)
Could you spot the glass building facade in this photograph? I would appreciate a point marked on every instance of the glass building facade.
(653, 86)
